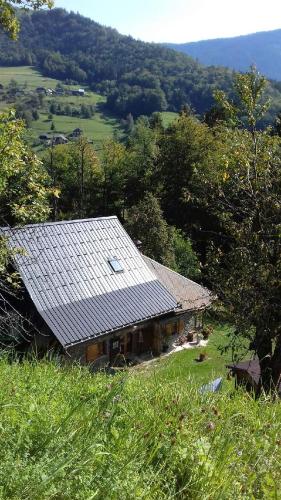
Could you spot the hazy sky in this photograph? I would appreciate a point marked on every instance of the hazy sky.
(181, 20)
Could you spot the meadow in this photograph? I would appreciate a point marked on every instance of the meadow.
(101, 127)
(144, 433)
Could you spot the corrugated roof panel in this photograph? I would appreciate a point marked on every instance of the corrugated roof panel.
(66, 271)
(89, 317)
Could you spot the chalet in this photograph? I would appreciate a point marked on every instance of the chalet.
(44, 137)
(41, 90)
(96, 296)
(77, 132)
(78, 92)
(59, 139)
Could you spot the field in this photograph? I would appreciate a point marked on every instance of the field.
(146, 433)
(100, 127)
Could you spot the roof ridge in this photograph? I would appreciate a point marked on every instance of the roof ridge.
(50, 223)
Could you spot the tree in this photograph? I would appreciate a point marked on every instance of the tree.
(185, 144)
(8, 19)
(145, 222)
(114, 160)
(141, 161)
(187, 262)
(242, 189)
(24, 186)
(24, 196)
(75, 172)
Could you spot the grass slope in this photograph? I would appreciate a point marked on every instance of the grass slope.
(142, 434)
(99, 128)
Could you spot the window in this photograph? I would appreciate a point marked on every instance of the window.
(115, 265)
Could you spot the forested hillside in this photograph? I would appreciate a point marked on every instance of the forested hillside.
(262, 49)
(137, 77)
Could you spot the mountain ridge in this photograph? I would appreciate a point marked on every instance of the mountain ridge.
(262, 49)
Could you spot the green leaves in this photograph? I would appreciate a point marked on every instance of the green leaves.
(8, 18)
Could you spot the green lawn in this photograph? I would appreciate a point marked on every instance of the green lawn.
(182, 365)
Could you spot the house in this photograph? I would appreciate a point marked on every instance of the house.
(41, 90)
(77, 132)
(44, 137)
(79, 92)
(96, 295)
(59, 139)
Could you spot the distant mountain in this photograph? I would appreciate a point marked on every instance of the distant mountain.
(262, 49)
(136, 77)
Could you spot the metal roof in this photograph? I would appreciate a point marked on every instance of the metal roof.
(65, 268)
(189, 294)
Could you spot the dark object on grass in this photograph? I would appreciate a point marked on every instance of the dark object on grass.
(214, 386)
(202, 357)
(247, 374)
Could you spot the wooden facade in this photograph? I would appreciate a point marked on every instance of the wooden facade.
(149, 338)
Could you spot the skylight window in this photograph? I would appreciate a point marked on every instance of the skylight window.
(115, 265)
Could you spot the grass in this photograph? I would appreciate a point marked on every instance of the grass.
(99, 128)
(168, 117)
(26, 75)
(142, 434)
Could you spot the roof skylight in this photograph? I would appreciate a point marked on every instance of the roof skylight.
(115, 265)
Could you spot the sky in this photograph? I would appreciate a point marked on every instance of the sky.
(180, 20)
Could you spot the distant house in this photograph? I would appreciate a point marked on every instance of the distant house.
(96, 296)
(59, 139)
(79, 92)
(44, 137)
(77, 132)
(41, 90)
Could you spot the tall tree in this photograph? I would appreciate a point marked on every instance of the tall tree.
(242, 189)
(145, 222)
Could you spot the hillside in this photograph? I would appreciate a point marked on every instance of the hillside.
(136, 77)
(141, 434)
(262, 49)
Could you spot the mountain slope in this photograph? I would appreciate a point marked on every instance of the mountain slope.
(137, 77)
(262, 49)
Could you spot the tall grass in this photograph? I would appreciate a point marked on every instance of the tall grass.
(67, 434)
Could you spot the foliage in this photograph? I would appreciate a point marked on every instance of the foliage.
(8, 19)
(145, 222)
(75, 173)
(242, 190)
(251, 105)
(24, 188)
(74, 436)
(187, 262)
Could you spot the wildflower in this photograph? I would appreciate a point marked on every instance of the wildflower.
(210, 426)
